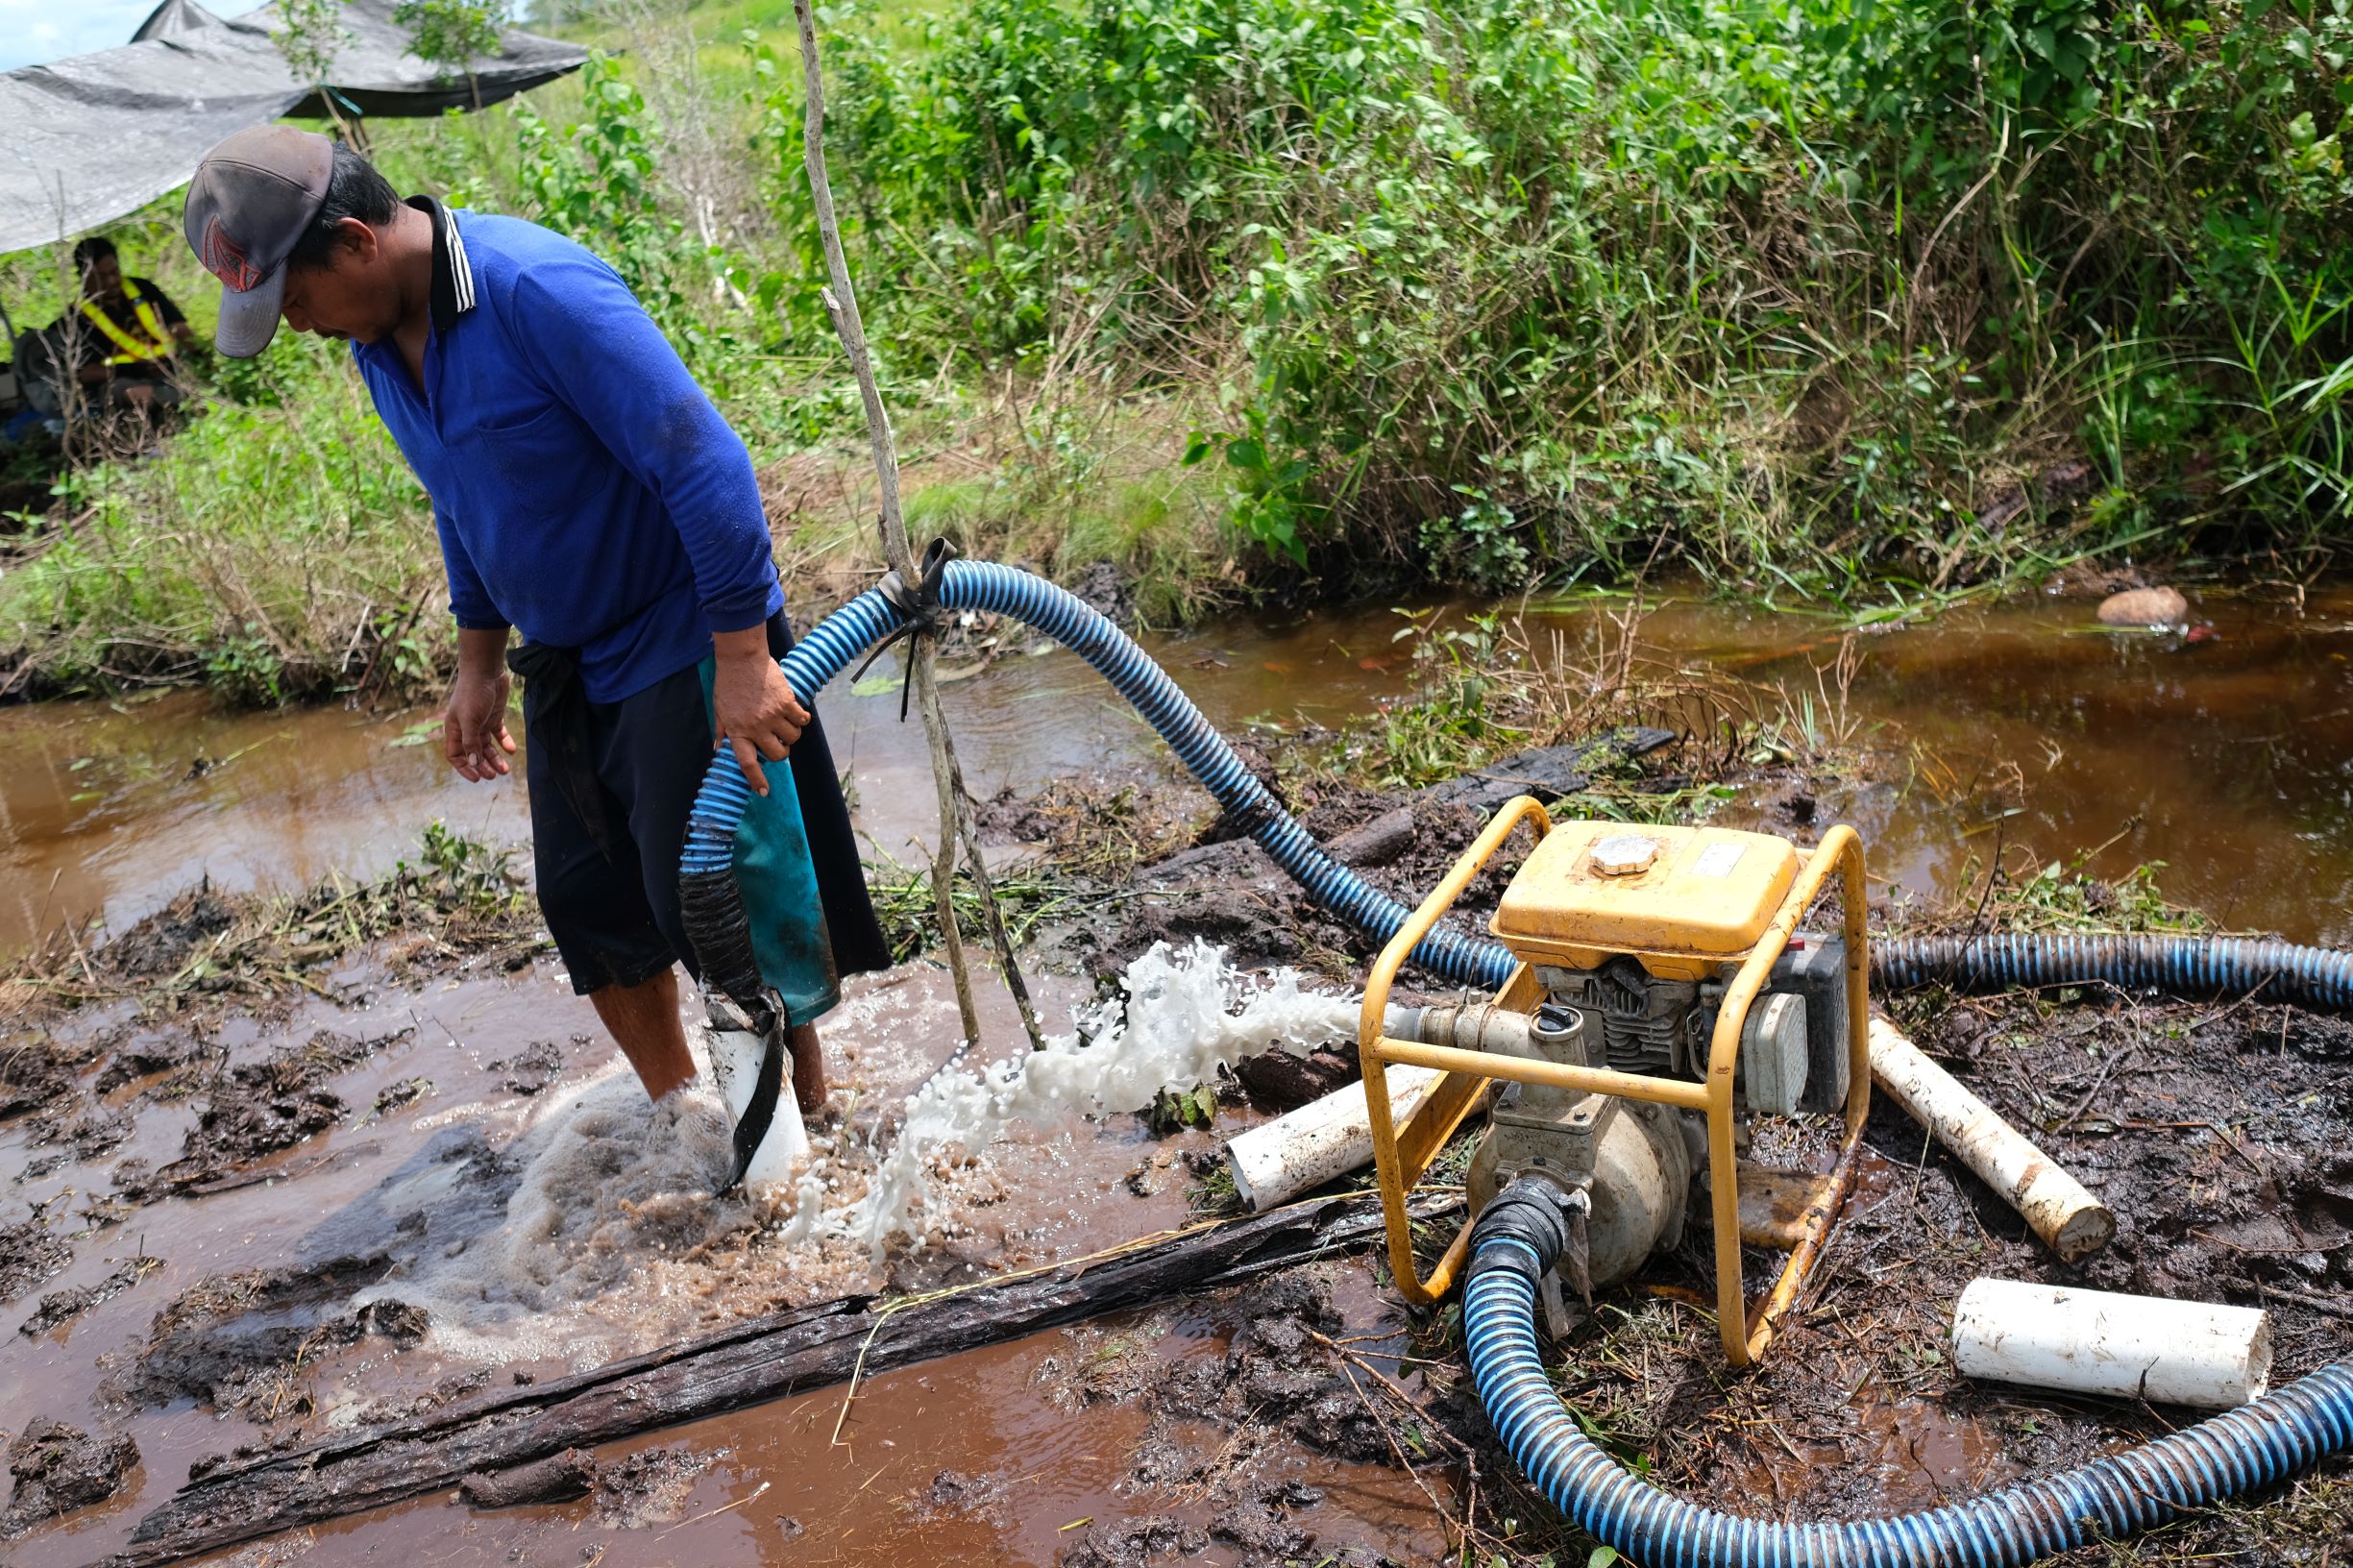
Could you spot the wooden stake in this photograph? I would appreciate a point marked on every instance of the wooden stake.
(842, 304)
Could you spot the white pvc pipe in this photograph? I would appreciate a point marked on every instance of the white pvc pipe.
(735, 1067)
(1321, 1140)
(2097, 1343)
(2070, 1220)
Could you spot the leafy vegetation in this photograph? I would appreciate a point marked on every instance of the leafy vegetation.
(1801, 291)
(310, 36)
(1821, 298)
(2063, 896)
(451, 33)
(1173, 1110)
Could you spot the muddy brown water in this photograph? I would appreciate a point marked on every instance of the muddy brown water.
(981, 1459)
(1060, 1192)
(2230, 759)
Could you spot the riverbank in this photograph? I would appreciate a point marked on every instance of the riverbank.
(277, 552)
(2020, 732)
(1483, 299)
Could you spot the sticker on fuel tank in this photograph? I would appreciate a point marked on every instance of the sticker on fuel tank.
(1718, 858)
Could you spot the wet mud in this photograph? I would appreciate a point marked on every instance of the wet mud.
(236, 1339)
(248, 1111)
(28, 1253)
(1227, 890)
(58, 1468)
(245, 1215)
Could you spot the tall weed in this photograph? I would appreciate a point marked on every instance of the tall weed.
(1799, 288)
(279, 547)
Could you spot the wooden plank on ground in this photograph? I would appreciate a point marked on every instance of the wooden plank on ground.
(761, 1358)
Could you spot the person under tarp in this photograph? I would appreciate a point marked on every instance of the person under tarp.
(116, 347)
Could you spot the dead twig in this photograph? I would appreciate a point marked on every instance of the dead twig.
(1388, 1435)
(955, 808)
(2328, 1306)
(755, 1493)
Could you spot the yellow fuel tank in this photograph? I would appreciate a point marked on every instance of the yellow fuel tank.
(1684, 900)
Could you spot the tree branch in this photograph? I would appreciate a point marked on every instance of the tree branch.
(842, 303)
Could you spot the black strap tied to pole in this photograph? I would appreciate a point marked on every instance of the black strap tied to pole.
(920, 603)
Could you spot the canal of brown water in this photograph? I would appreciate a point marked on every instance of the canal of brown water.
(2228, 759)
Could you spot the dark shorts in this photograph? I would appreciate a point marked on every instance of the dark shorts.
(615, 917)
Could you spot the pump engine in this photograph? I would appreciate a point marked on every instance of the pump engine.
(1602, 1055)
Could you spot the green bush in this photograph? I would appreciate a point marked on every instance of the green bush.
(1806, 284)
(1860, 297)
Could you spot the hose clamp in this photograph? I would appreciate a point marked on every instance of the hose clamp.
(1541, 1215)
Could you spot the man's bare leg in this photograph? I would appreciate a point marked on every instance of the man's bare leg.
(808, 1068)
(643, 1020)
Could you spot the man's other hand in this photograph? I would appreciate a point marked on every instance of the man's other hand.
(474, 725)
(752, 705)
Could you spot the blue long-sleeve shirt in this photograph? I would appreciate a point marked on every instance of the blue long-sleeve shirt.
(586, 491)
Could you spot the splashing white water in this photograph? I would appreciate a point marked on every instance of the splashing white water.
(608, 1181)
(1182, 1013)
(610, 1233)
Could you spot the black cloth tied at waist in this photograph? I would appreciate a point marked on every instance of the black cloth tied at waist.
(555, 708)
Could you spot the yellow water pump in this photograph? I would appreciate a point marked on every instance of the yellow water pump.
(1664, 1000)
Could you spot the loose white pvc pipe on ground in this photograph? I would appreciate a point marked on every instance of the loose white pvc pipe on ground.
(1332, 1137)
(2098, 1342)
(2073, 1222)
(1321, 1140)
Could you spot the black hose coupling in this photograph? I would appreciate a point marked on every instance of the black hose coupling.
(920, 602)
(711, 906)
(1538, 1214)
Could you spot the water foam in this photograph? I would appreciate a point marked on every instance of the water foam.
(608, 1182)
(611, 1238)
(1182, 1015)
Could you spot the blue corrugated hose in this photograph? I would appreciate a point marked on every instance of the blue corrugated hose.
(2186, 1472)
(2175, 964)
(2250, 1447)
(1003, 589)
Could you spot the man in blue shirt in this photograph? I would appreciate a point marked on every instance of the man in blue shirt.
(588, 494)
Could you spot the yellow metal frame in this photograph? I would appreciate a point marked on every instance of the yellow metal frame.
(1402, 1154)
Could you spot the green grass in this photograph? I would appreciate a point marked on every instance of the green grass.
(279, 547)
(717, 28)
(904, 902)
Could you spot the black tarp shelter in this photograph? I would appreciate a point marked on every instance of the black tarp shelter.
(90, 138)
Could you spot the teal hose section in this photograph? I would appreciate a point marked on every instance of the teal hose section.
(714, 918)
(2186, 1472)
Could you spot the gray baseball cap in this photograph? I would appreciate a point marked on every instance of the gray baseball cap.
(253, 197)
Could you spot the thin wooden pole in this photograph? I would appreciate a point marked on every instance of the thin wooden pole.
(955, 824)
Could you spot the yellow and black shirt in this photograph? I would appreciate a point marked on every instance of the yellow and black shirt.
(133, 333)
